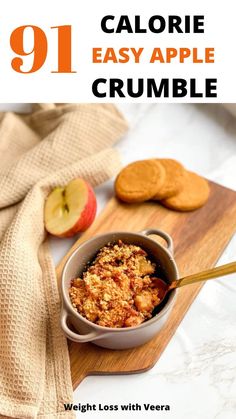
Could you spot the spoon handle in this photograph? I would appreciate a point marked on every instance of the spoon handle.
(223, 270)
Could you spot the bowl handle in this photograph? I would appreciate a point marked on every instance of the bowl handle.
(76, 337)
(165, 236)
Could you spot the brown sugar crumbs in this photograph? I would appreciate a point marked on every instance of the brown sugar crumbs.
(118, 288)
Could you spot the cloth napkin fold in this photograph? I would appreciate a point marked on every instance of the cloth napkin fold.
(49, 147)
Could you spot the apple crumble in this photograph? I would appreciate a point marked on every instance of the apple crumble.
(118, 288)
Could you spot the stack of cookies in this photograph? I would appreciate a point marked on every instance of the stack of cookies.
(164, 180)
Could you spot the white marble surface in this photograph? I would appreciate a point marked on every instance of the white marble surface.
(196, 374)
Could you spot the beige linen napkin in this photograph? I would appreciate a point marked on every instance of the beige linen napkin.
(37, 152)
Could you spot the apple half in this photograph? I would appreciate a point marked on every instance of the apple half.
(70, 209)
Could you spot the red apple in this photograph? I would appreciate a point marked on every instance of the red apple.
(70, 209)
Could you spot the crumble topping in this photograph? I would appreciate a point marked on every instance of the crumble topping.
(118, 288)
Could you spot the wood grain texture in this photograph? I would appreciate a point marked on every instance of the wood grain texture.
(199, 237)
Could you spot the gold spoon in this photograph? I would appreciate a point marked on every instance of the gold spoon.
(212, 273)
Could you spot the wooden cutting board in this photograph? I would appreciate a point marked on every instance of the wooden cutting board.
(199, 238)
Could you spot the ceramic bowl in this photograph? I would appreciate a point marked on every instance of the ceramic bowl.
(117, 338)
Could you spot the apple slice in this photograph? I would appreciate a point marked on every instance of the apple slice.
(70, 209)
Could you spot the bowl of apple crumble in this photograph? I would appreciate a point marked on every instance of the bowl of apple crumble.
(110, 289)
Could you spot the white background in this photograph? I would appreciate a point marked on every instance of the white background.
(196, 373)
(85, 17)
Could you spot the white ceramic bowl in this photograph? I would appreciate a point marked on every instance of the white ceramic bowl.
(107, 337)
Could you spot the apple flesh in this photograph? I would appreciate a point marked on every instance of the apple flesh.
(70, 209)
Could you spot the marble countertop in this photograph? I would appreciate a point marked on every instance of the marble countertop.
(196, 374)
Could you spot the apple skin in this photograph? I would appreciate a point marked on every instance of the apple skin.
(87, 215)
(71, 209)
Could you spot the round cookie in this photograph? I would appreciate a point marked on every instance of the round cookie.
(194, 194)
(174, 180)
(139, 181)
